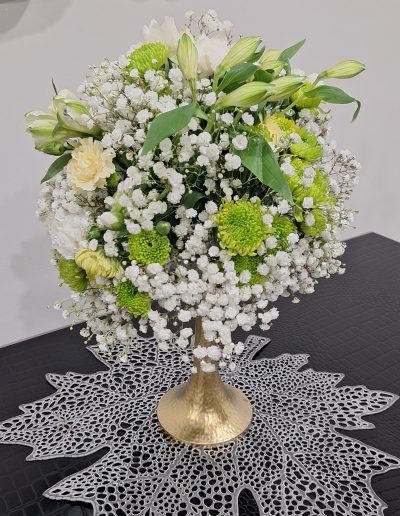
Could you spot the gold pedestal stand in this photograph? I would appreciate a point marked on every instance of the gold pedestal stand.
(204, 411)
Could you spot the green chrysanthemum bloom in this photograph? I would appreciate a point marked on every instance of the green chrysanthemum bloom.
(283, 227)
(249, 263)
(149, 247)
(141, 304)
(73, 275)
(308, 150)
(143, 58)
(240, 227)
(318, 226)
(96, 263)
(318, 190)
(138, 303)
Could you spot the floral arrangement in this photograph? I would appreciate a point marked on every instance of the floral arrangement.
(194, 177)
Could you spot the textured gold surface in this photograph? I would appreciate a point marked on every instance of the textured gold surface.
(204, 411)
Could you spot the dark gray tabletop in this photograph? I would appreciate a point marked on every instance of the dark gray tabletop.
(350, 325)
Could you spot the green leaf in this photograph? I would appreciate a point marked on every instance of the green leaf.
(199, 113)
(256, 56)
(334, 95)
(189, 200)
(291, 51)
(54, 86)
(264, 76)
(167, 124)
(56, 166)
(237, 75)
(56, 128)
(259, 158)
(118, 167)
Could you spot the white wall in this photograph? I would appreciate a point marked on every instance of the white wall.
(40, 39)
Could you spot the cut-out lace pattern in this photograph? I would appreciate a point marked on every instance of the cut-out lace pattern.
(293, 459)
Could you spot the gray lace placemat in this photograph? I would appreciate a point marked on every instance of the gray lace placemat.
(292, 458)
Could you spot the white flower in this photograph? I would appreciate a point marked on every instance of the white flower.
(184, 315)
(210, 99)
(211, 208)
(287, 168)
(232, 162)
(143, 116)
(66, 233)
(248, 119)
(293, 238)
(240, 142)
(211, 52)
(206, 367)
(309, 219)
(308, 202)
(283, 207)
(164, 32)
(227, 118)
(214, 352)
(271, 242)
(200, 352)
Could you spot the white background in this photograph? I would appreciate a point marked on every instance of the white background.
(41, 39)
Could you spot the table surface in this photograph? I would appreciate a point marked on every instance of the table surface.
(350, 325)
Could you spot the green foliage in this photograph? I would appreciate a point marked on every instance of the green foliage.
(72, 275)
(149, 247)
(57, 166)
(334, 95)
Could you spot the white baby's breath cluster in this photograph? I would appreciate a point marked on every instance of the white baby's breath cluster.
(200, 277)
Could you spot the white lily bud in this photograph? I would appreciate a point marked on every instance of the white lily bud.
(239, 53)
(245, 96)
(286, 86)
(344, 70)
(113, 220)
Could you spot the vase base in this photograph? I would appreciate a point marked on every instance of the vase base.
(204, 418)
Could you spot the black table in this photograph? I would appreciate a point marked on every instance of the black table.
(350, 325)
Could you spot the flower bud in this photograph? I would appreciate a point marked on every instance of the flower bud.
(276, 66)
(54, 148)
(344, 70)
(239, 53)
(245, 96)
(69, 115)
(42, 125)
(114, 179)
(270, 55)
(188, 57)
(163, 227)
(113, 220)
(285, 87)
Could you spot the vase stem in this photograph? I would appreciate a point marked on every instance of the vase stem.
(204, 410)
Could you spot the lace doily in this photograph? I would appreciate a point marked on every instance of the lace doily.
(292, 458)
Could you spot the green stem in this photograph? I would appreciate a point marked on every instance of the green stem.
(238, 117)
(211, 121)
(162, 194)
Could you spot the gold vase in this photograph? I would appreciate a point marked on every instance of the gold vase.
(204, 411)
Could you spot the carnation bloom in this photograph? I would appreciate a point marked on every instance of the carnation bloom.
(149, 247)
(90, 165)
(96, 263)
(241, 227)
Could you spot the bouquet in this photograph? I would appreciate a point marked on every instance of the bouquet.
(194, 178)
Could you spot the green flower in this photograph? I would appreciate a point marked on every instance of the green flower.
(249, 263)
(96, 263)
(305, 102)
(73, 275)
(318, 226)
(149, 247)
(308, 148)
(143, 58)
(283, 227)
(138, 303)
(318, 190)
(240, 227)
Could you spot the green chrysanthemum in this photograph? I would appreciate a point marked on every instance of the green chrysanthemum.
(73, 275)
(249, 263)
(240, 227)
(308, 148)
(318, 226)
(138, 303)
(144, 58)
(283, 227)
(318, 190)
(149, 247)
(312, 103)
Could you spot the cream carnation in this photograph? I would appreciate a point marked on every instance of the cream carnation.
(90, 166)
